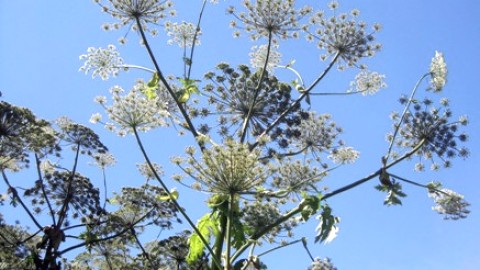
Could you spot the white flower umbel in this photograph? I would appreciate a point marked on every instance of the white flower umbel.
(258, 57)
(103, 160)
(438, 72)
(344, 155)
(368, 83)
(102, 62)
(318, 133)
(147, 172)
(128, 11)
(449, 203)
(135, 111)
(183, 34)
(319, 264)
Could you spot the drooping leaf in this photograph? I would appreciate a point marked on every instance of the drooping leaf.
(207, 225)
(327, 225)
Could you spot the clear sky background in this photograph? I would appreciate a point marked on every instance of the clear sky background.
(40, 42)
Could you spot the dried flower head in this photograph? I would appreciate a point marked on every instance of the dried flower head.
(268, 18)
(102, 62)
(80, 137)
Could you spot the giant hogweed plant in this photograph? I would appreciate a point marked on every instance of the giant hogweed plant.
(261, 152)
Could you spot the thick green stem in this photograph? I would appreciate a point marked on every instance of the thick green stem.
(218, 246)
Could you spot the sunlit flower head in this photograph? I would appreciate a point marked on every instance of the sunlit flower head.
(268, 18)
(449, 203)
(319, 264)
(344, 35)
(368, 83)
(103, 160)
(438, 72)
(258, 57)
(129, 11)
(344, 155)
(183, 34)
(226, 169)
(134, 110)
(318, 133)
(102, 62)
(296, 176)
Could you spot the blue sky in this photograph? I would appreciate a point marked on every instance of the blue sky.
(39, 47)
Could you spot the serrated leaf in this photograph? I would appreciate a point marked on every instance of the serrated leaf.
(207, 225)
(327, 225)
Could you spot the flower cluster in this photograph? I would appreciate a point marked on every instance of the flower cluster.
(239, 96)
(268, 18)
(368, 83)
(258, 215)
(80, 137)
(133, 111)
(103, 160)
(448, 203)
(60, 187)
(343, 35)
(318, 133)
(132, 11)
(102, 62)
(296, 177)
(142, 202)
(438, 72)
(226, 169)
(183, 34)
(21, 132)
(147, 172)
(429, 128)
(319, 264)
(344, 155)
(259, 54)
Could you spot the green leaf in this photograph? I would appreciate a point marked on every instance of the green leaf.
(172, 196)
(188, 87)
(207, 225)
(150, 89)
(327, 223)
(311, 204)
